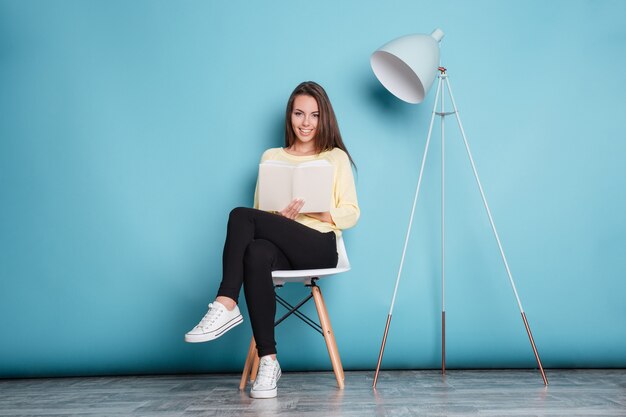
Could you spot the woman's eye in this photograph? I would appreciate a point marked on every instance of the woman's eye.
(316, 115)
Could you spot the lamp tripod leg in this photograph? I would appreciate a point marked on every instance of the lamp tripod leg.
(382, 350)
(532, 343)
(443, 342)
(408, 234)
(443, 224)
(495, 232)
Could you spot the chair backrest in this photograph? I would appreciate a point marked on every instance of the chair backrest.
(305, 275)
(342, 262)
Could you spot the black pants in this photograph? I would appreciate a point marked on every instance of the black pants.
(258, 243)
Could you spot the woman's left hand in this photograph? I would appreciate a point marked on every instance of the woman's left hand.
(322, 216)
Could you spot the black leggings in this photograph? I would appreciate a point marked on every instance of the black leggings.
(258, 243)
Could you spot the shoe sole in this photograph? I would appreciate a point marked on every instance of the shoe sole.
(270, 393)
(207, 337)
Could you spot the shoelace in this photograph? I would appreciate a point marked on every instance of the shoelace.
(266, 373)
(210, 316)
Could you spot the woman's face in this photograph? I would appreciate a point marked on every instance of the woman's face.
(304, 118)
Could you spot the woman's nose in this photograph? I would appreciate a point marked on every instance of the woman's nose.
(306, 121)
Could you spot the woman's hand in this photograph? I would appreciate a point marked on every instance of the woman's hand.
(293, 209)
(322, 216)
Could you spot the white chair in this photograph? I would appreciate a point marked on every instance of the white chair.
(308, 277)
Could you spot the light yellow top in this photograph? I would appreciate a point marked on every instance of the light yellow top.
(345, 210)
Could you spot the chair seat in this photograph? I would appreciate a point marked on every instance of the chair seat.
(305, 275)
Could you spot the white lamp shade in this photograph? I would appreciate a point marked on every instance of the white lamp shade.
(407, 66)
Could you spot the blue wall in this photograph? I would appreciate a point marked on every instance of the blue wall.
(128, 130)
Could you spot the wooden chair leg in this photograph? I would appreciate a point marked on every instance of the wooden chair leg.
(329, 336)
(247, 368)
(255, 367)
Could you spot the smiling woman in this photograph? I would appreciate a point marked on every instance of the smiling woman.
(258, 242)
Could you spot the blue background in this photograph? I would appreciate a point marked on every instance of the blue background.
(128, 131)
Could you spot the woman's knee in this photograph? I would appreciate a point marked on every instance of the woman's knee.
(239, 213)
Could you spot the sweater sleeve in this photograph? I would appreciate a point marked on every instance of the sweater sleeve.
(345, 212)
(256, 196)
(266, 156)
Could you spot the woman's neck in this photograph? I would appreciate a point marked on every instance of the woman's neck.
(301, 149)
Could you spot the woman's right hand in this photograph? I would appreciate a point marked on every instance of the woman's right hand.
(293, 209)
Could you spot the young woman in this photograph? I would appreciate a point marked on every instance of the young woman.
(258, 242)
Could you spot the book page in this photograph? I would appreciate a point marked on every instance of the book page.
(275, 185)
(313, 182)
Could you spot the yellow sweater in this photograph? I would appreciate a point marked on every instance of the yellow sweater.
(345, 210)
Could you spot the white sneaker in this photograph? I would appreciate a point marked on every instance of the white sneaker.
(265, 384)
(217, 321)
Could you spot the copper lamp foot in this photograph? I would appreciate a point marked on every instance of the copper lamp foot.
(532, 343)
(382, 350)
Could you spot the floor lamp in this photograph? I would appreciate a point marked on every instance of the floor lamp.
(407, 67)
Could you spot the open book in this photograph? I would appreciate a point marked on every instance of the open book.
(281, 182)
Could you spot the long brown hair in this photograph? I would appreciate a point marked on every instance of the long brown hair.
(327, 135)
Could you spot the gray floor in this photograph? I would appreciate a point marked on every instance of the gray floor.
(399, 393)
